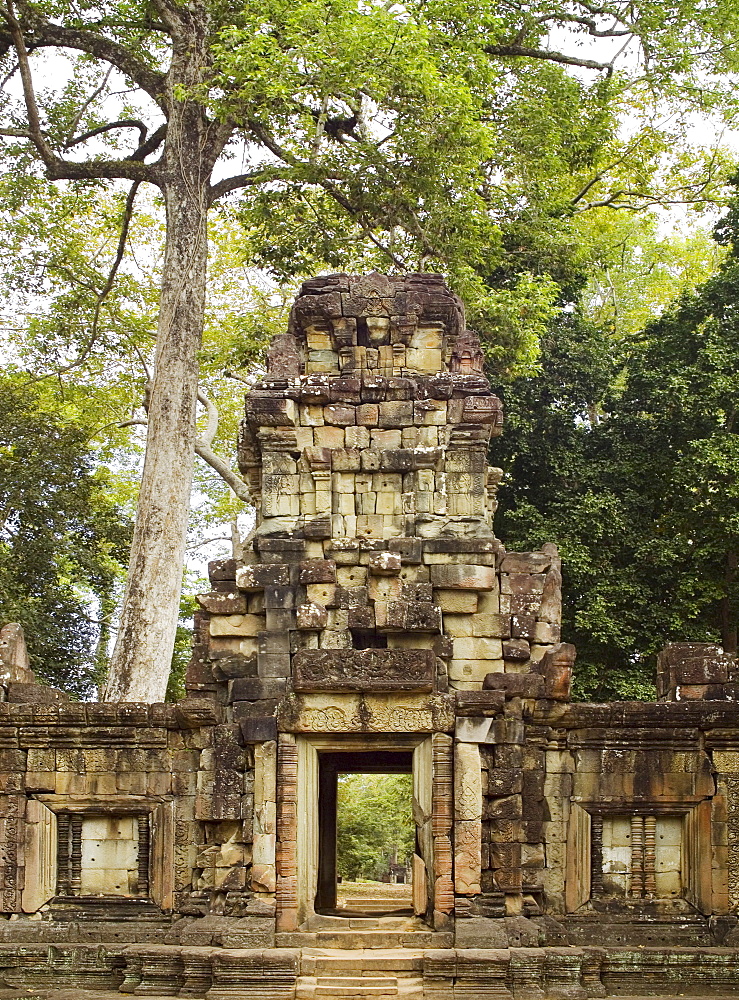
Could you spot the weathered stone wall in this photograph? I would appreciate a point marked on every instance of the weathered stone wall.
(562, 849)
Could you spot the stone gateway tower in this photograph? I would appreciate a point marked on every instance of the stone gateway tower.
(373, 623)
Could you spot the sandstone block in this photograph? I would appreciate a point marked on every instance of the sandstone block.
(463, 576)
(384, 563)
(368, 414)
(525, 562)
(311, 415)
(455, 601)
(346, 460)
(471, 671)
(546, 632)
(495, 626)
(311, 616)
(395, 413)
(321, 593)
(384, 588)
(236, 625)
(477, 648)
(258, 576)
(328, 437)
(339, 414)
(318, 571)
(516, 649)
(357, 437)
(222, 603)
(384, 440)
(458, 626)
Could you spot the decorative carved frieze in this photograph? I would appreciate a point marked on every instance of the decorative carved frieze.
(344, 713)
(364, 670)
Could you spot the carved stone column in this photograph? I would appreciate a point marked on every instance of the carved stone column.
(596, 854)
(467, 819)
(727, 764)
(442, 815)
(265, 811)
(286, 856)
(636, 883)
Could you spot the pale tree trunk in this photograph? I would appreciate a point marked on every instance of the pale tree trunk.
(141, 659)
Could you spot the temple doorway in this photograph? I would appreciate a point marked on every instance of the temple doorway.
(326, 766)
(366, 833)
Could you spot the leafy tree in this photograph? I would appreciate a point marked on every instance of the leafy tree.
(396, 127)
(374, 823)
(624, 451)
(62, 536)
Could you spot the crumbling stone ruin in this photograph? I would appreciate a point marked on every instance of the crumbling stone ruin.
(375, 622)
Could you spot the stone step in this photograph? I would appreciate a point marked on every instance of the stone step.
(351, 981)
(372, 903)
(356, 986)
(381, 906)
(359, 987)
(395, 962)
(381, 939)
(325, 921)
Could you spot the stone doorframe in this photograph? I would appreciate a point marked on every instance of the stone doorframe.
(297, 854)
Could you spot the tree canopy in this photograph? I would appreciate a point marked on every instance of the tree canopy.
(624, 450)
(63, 537)
(467, 137)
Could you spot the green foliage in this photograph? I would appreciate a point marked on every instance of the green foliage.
(375, 820)
(183, 641)
(62, 536)
(624, 451)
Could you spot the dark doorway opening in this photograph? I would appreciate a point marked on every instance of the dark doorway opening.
(333, 766)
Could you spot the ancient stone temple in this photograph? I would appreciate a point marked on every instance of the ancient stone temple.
(373, 623)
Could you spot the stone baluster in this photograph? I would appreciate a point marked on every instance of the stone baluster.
(527, 973)
(161, 971)
(562, 970)
(142, 885)
(62, 871)
(650, 859)
(636, 882)
(591, 968)
(197, 970)
(75, 854)
(596, 854)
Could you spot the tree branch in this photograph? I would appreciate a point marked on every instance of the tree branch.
(522, 51)
(203, 450)
(150, 145)
(56, 168)
(45, 34)
(229, 184)
(88, 101)
(46, 153)
(224, 470)
(211, 427)
(123, 123)
(104, 291)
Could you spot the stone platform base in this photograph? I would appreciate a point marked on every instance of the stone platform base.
(67, 972)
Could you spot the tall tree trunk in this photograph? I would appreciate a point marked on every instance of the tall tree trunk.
(141, 659)
(142, 655)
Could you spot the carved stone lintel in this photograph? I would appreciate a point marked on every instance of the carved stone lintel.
(364, 670)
